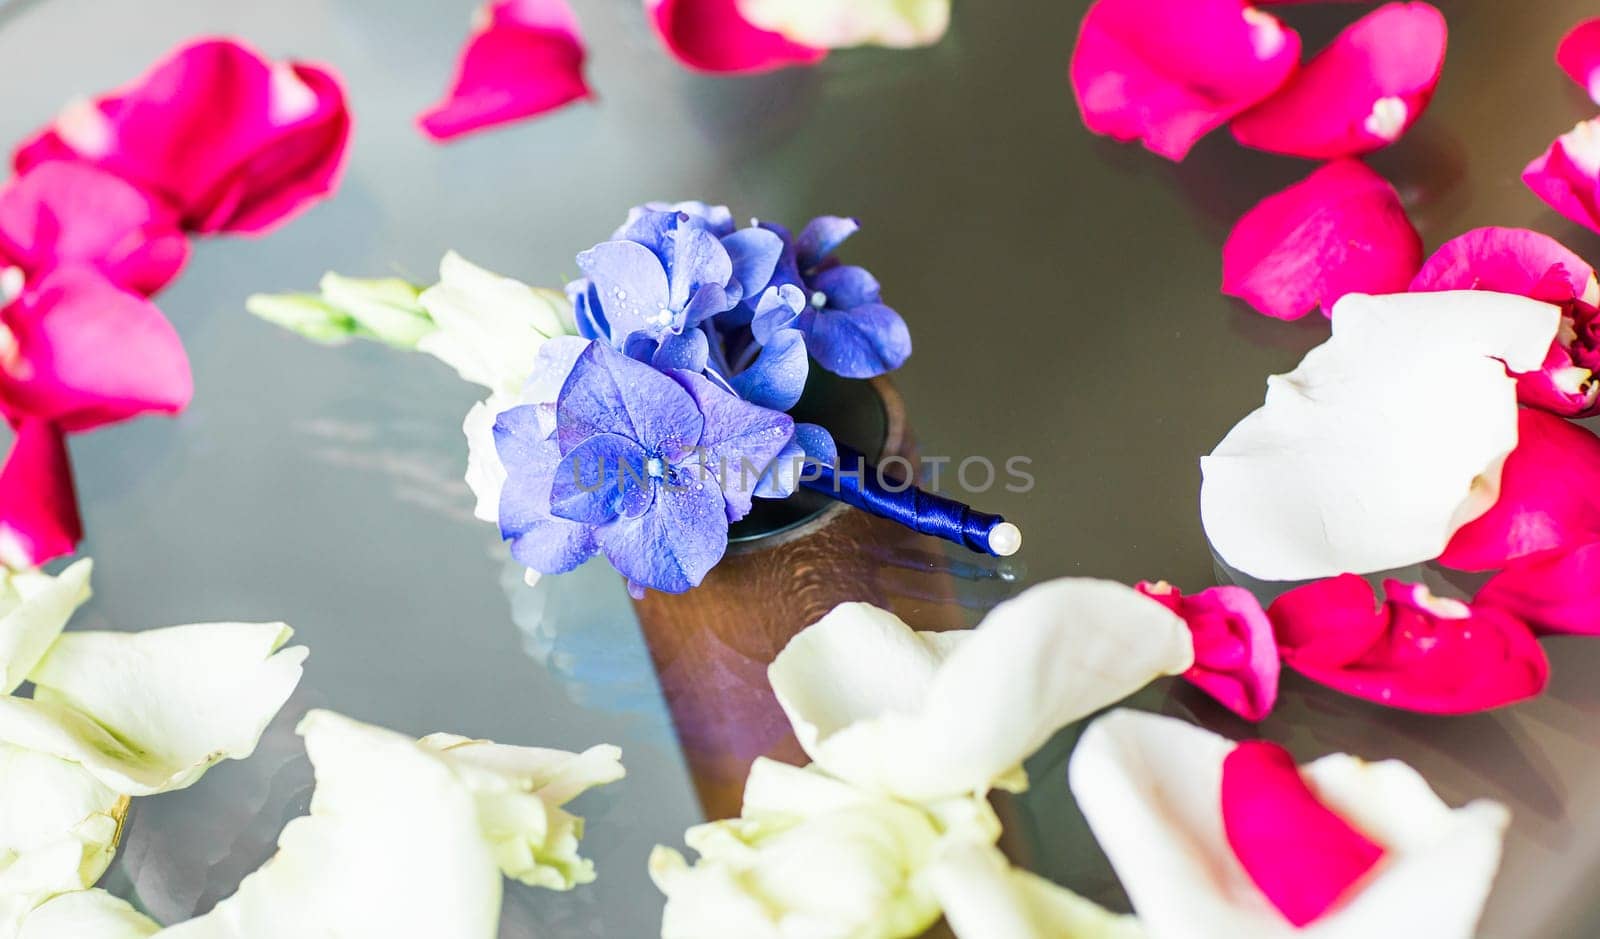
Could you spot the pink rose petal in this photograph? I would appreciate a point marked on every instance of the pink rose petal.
(61, 213)
(1417, 651)
(1301, 855)
(1527, 263)
(81, 352)
(236, 143)
(1565, 175)
(1340, 230)
(1235, 654)
(712, 36)
(38, 509)
(1168, 72)
(1509, 260)
(1579, 56)
(1554, 592)
(1360, 93)
(527, 59)
(1549, 497)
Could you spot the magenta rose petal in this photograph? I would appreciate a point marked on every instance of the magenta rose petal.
(1425, 654)
(234, 142)
(1554, 592)
(1168, 72)
(1549, 497)
(1301, 854)
(61, 213)
(526, 59)
(1566, 175)
(1578, 54)
(1235, 654)
(1340, 230)
(89, 353)
(1360, 93)
(713, 36)
(38, 507)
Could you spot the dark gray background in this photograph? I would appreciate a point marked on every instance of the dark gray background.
(1062, 294)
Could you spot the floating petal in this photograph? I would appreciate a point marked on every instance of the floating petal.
(525, 60)
(930, 715)
(1151, 790)
(1361, 93)
(1339, 231)
(1352, 464)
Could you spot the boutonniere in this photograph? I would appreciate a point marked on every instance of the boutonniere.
(641, 412)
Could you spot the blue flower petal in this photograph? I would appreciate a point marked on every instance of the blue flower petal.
(609, 393)
(631, 284)
(689, 351)
(776, 379)
(755, 253)
(716, 219)
(821, 238)
(817, 443)
(847, 287)
(739, 442)
(777, 310)
(811, 444)
(675, 543)
(861, 343)
(538, 540)
(587, 310)
(602, 478)
(698, 260)
(641, 347)
(708, 301)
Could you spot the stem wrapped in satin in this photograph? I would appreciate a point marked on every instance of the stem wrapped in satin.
(855, 481)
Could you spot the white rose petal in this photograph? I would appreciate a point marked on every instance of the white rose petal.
(1382, 443)
(34, 608)
(87, 914)
(520, 791)
(925, 716)
(984, 897)
(1151, 790)
(392, 848)
(58, 825)
(486, 475)
(149, 712)
(843, 863)
(490, 327)
(838, 24)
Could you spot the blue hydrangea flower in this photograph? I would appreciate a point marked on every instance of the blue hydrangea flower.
(664, 273)
(645, 466)
(672, 288)
(848, 329)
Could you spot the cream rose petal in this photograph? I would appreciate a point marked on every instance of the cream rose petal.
(837, 24)
(58, 825)
(520, 792)
(984, 897)
(925, 716)
(34, 608)
(1150, 788)
(486, 475)
(1385, 440)
(149, 712)
(391, 848)
(86, 914)
(490, 327)
(826, 860)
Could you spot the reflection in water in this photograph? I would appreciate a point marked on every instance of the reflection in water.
(184, 851)
(581, 628)
(424, 474)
